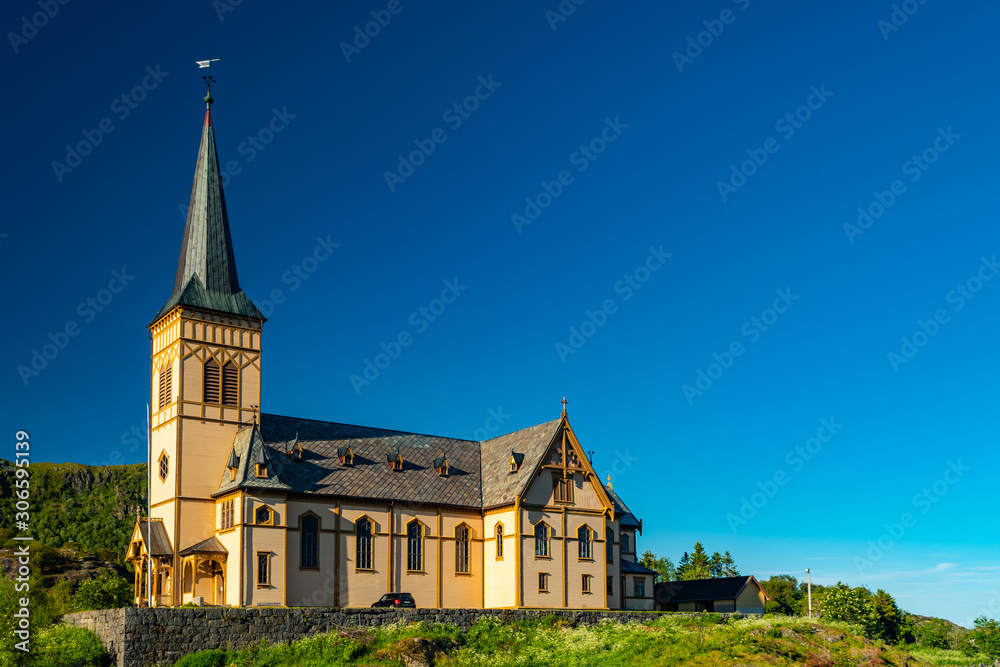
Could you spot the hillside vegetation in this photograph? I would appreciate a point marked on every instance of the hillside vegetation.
(698, 641)
(91, 508)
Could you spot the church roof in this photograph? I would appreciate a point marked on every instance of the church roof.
(478, 472)
(160, 544)
(206, 271)
(625, 517)
(249, 448)
(210, 546)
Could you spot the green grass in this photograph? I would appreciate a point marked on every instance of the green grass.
(700, 641)
(939, 657)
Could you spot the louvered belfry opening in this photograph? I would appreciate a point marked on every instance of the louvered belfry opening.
(165, 386)
(211, 381)
(229, 384)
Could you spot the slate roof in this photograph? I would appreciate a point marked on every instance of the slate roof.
(160, 545)
(499, 483)
(622, 512)
(248, 448)
(628, 567)
(726, 588)
(210, 546)
(206, 271)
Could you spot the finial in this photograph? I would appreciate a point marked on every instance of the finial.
(609, 482)
(208, 78)
(564, 402)
(254, 408)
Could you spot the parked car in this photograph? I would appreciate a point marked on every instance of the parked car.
(396, 600)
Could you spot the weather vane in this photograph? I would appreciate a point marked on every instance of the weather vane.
(208, 78)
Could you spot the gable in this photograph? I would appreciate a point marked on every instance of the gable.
(563, 460)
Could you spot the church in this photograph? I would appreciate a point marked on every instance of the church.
(249, 508)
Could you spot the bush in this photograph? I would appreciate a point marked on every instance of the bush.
(109, 591)
(68, 646)
(213, 658)
(985, 638)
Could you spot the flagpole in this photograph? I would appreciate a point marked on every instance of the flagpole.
(149, 506)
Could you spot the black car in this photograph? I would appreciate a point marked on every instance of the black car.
(396, 600)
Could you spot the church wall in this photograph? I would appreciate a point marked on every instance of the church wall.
(422, 584)
(540, 490)
(231, 541)
(613, 566)
(593, 567)
(533, 565)
(197, 522)
(458, 589)
(499, 585)
(271, 540)
(204, 450)
(164, 439)
(363, 587)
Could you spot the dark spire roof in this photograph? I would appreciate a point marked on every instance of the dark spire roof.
(206, 271)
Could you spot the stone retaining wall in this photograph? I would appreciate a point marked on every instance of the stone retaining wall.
(142, 637)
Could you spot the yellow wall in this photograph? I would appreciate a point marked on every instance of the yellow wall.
(499, 588)
(751, 600)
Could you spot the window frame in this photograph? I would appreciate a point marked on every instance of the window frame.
(585, 544)
(229, 373)
(270, 515)
(609, 542)
(562, 488)
(364, 545)
(625, 542)
(498, 536)
(266, 555)
(305, 548)
(543, 542)
(543, 582)
(166, 386)
(415, 546)
(585, 586)
(163, 466)
(611, 585)
(639, 587)
(463, 549)
(228, 519)
(211, 365)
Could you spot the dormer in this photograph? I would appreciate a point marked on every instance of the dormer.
(395, 460)
(441, 465)
(262, 463)
(294, 449)
(233, 464)
(346, 455)
(516, 459)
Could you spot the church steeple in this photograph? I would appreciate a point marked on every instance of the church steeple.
(206, 271)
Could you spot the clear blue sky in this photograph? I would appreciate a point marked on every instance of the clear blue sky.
(879, 96)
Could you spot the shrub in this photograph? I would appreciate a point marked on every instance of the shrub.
(68, 646)
(108, 591)
(213, 658)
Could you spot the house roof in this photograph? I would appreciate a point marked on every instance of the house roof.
(206, 270)
(210, 546)
(628, 567)
(625, 517)
(160, 544)
(725, 588)
(478, 472)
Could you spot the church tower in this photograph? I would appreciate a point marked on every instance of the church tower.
(205, 372)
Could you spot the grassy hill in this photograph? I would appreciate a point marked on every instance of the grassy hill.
(92, 507)
(700, 641)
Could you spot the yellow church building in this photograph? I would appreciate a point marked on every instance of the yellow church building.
(258, 509)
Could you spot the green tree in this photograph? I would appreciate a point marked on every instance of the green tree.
(665, 570)
(729, 566)
(852, 605)
(985, 637)
(698, 565)
(108, 591)
(786, 598)
(892, 624)
(934, 633)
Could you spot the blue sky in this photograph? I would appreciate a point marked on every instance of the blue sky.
(741, 153)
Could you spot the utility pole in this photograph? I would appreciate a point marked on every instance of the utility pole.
(809, 589)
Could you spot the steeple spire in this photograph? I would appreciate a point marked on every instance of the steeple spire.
(206, 271)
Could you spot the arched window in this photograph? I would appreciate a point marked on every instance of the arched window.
(625, 544)
(211, 381)
(609, 545)
(414, 546)
(585, 549)
(462, 549)
(309, 540)
(541, 540)
(229, 383)
(499, 540)
(363, 546)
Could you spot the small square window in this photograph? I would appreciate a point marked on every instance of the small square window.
(543, 582)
